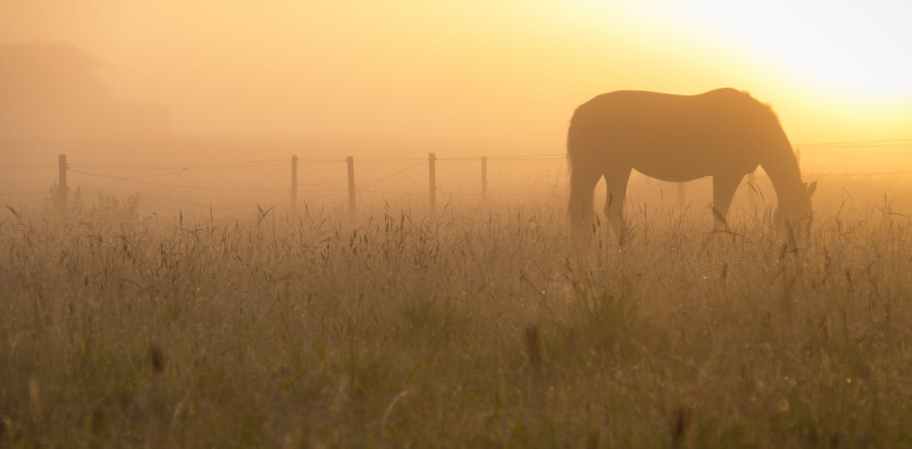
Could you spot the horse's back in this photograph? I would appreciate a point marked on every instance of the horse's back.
(638, 103)
(659, 132)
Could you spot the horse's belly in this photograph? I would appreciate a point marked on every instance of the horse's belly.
(672, 175)
(672, 165)
(681, 164)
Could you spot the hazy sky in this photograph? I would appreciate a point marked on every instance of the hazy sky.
(464, 74)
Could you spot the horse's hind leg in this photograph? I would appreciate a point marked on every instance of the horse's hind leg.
(616, 180)
(582, 183)
(724, 188)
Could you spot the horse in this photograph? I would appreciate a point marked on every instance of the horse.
(724, 133)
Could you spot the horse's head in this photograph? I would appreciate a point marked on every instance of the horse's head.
(794, 213)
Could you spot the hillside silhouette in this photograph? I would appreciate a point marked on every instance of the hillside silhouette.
(57, 92)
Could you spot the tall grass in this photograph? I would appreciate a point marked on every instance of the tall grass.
(474, 328)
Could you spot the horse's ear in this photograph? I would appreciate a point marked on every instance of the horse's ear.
(811, 188)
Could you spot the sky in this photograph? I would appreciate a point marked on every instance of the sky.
(465, 75)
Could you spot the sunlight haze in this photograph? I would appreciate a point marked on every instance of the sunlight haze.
(508, 74)
(455, 224)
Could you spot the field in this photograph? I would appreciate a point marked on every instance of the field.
(472, 327)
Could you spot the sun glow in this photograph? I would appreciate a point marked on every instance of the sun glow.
(859, 53)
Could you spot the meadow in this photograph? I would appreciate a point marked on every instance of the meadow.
(475, 326)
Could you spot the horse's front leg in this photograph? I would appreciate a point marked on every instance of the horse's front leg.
(724, 188)
(616, 180)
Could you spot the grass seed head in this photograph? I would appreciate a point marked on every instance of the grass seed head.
(679, 427)
(156, 358)
(533, 347)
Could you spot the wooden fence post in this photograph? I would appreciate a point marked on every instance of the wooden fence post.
(294, 184)
(352, 206)
(63, 189)
(432, 180)
(484, 177)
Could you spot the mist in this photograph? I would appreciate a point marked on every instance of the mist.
(147, 84)
(285, 72)
(342, 78)
(521, 223)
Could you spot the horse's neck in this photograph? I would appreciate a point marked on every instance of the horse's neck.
(783, 171)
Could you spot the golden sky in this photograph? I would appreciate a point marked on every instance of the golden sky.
(464, 74)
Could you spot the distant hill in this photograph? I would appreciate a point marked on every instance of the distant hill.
(55, 92)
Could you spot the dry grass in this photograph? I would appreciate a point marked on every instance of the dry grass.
(473, 329)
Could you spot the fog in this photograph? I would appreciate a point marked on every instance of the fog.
(133, 85)
(190, 258)
(412, 77)
(404, 76)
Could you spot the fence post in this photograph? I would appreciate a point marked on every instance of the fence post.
(352, 206)
(294, 184)
(432, 179)
(63, 189)
(484, 177)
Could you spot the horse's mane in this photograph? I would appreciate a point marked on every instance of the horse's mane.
(767, 108)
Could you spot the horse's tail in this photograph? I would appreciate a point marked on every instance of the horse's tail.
(579, 207)
(574, 142)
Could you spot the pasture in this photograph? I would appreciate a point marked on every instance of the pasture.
(472, 327)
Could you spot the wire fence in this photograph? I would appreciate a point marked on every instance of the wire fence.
(409, 172)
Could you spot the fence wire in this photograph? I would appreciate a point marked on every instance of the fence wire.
(408, 172)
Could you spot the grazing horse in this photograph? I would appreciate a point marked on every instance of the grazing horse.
(724, 133)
